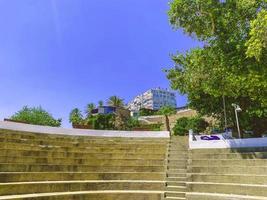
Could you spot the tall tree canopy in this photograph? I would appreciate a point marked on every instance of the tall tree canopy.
(232, 61)
(115, 101)
(36, 116)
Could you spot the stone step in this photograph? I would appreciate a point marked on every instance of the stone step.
(253, 155)
(176, 171)
(173, 167)
(6, 167)
(62, 186)
(175, 152)
(87, 139)
(232, 162)
(92, 195)
(177, 198)
(229, 178)
(228, 188)
(177, 147)
(176, 188)
(79, 144)
(70, 138)
(262, 170)
(213, 196)
(239, 150)
(6, 177)
(178, 156)
(89, 162)
(176, 175)
(180, 178)
(175, 183)
(107, 149)
(177, 166)
(177, 162)
(174, 194)
(74, 154)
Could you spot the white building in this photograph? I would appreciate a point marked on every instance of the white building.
(153, 99)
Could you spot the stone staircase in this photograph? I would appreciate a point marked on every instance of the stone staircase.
(176, 168)
(227, 174)
(49, 167)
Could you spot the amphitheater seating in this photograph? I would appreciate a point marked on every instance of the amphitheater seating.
(226, 174)
(59, 167)
(40, 166)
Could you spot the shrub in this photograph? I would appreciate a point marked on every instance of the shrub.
(36, 116)
(132, 123)
(184, 124)
(197, 124)
(147, 112)
(180, 127)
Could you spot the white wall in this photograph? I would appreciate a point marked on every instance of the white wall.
(81, 132)
(231, 143)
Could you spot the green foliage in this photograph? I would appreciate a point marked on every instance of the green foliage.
(89, 108)
(257, 42)
(180, 127)
(115, 101)
(166, 110)
(197, 124)
(146, 112)
(101, 121)
(113, 121)
(76, 116)
(232, 62)
(184, 124)
(132, 123)
(100, 103)
(36, 116)
(152, 127)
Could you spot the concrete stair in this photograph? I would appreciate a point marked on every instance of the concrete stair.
(41, 166)
(176, 169)
(226, 174)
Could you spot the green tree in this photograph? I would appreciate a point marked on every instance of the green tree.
(36, 116)
(180, 127)
(167, 111)
(89, 108)
(115, 101)
(231, 62)
(102, 122)
(100, 103)
(257, 43)
(132, 123)
(76, 116)
(184, 124)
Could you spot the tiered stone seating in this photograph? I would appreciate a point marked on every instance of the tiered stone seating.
(226, 174)
(42, 166)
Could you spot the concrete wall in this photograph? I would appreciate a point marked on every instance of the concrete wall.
(223, 144)
(80, 132)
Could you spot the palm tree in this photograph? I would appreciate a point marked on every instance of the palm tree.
(100, 103)
(115, 101)
(167, 111)
(89, 108)
(75, 116)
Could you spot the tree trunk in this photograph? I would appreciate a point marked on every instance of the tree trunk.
(167, 121)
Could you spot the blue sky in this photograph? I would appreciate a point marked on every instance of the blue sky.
(62, 54)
